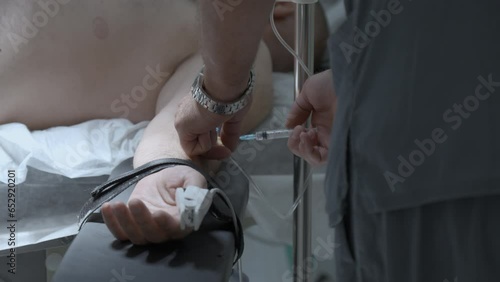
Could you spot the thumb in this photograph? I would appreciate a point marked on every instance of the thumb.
(198, 145)
(299, 112)
(230, 134)
(217, 152)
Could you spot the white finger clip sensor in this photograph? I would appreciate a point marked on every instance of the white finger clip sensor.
(194, 203)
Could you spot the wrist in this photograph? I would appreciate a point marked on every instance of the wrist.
(151, 149)
(142, 157)
(224, 90)
(223, 103)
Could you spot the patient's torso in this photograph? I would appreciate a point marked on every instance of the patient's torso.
(72, 60)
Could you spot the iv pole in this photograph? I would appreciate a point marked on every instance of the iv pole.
(304, 46)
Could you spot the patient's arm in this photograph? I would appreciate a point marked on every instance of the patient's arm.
(151, 215)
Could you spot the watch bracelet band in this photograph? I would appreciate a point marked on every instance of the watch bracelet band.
(221, 108)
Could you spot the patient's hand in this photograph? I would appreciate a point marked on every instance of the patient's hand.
(152, 215)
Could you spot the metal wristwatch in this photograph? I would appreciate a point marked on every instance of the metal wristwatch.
(217, 107)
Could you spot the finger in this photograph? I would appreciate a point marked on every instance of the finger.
(324, 136)
(230, 134)
(300, 111)
(315, 154)
(190, 143)
(323, 153)
(144, 219)
(204, 143)
(294, 139)
(192, 180)
(217, 152)
(112, 223)
(134, 234)
(198, 145)
(213, 137)
(179, 234)
(313, 136)
(306, 147)
(169, 225)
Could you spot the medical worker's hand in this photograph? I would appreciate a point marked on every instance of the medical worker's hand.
(152, 215)
(196, 128)
(317, 98)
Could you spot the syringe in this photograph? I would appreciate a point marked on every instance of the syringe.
(267, 135)
(271, 134)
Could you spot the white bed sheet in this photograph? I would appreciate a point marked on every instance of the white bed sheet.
(88, 149)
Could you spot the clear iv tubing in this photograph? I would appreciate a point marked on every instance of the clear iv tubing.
(263, 197)
(257, 188)
(288, 48)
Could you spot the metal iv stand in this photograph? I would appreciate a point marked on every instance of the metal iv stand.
(302, 178)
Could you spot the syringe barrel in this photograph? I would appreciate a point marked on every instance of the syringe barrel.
(273, 134)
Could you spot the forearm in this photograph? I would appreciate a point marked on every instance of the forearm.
(160, 139)
(230, 40)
